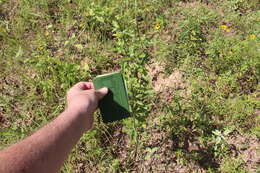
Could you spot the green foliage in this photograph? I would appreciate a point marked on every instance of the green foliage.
(190, 36)
(242, 6)
(59, 75)
(47, 46)
(220, 144)
(229, 53)
(232, 166)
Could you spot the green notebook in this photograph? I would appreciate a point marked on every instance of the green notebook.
(114, 106)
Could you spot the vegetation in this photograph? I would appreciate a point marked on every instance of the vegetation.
(192, 69)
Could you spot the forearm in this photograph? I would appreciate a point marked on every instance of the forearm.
(47, 148)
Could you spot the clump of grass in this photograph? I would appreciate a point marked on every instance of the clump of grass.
(47, 46)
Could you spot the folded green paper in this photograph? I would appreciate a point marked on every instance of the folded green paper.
(114, 106)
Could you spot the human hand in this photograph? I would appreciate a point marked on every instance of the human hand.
(83, 98)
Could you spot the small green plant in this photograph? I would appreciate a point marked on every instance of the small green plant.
(233, 166)
(220, 145)
(47, 46)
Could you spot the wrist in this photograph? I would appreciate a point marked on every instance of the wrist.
(81, 116)
(78, 109)
(73, 111)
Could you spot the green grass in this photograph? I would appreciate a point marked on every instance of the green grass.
(49, 45)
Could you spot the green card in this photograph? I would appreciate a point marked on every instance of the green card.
(114, 106)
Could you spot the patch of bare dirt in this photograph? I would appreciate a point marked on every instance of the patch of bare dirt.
(159, 156)
(208, 5)
(247, 148)
(165, 84)
(190, 4)
(160, 81)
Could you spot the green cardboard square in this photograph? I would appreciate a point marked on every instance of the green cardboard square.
(114, 106)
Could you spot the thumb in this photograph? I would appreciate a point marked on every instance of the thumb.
(101, 93)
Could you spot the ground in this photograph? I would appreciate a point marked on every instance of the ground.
(192, 69)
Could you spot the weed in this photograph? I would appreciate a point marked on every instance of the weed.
(49, 45)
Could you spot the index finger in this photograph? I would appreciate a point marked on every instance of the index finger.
(84, 86)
